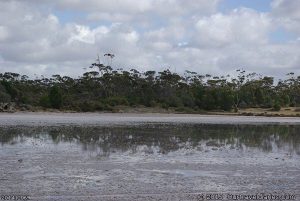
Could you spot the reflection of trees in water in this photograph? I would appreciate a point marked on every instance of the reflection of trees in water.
(167, 138)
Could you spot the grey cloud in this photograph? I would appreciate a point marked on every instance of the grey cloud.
(286, 8)
(286, 13)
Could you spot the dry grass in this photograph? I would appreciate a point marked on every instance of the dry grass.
(285, 111)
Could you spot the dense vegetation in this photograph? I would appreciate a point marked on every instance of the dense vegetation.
(105, 88)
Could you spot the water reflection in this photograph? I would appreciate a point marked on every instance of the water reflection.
(165, 138)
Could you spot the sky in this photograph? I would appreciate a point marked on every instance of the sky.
(46, 37)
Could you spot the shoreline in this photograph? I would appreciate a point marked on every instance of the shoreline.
(111, 119)
(121, 109)
(244, 112)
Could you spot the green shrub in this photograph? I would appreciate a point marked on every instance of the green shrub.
(10, 89)
(108, 108)
(174, 102)
(185, 110)
(277, 106)
(86, 106)
(153, 104)
(4, 97)
(44, 101)
(55, 97)
(164, 106)
(293, 104)
(26, 100)
(90, 106)
(114, 101)
(98, 106)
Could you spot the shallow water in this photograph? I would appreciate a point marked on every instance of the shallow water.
(148, 161)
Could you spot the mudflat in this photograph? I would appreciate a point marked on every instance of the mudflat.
(74, 156)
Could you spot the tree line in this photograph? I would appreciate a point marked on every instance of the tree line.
(103, 88)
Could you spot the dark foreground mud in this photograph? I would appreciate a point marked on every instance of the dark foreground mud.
(149, 161)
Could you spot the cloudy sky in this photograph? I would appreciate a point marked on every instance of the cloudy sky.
(46, 37)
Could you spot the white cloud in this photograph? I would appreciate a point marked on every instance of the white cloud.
(131, 10)
(242, 26)
(146, 34)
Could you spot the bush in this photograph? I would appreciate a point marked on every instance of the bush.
(45, 102)
(4, 97)
(153, 104)
(91, 106)
(114, 101)
(293, 104)
(286, 100)
(174, 102)
(185, 110)
(99, 106)
(86, 106)
(188, 101)
(55, 97)
(164, 106)
(227, 102)
(26, 100)
(10, 89)
(276, 106)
